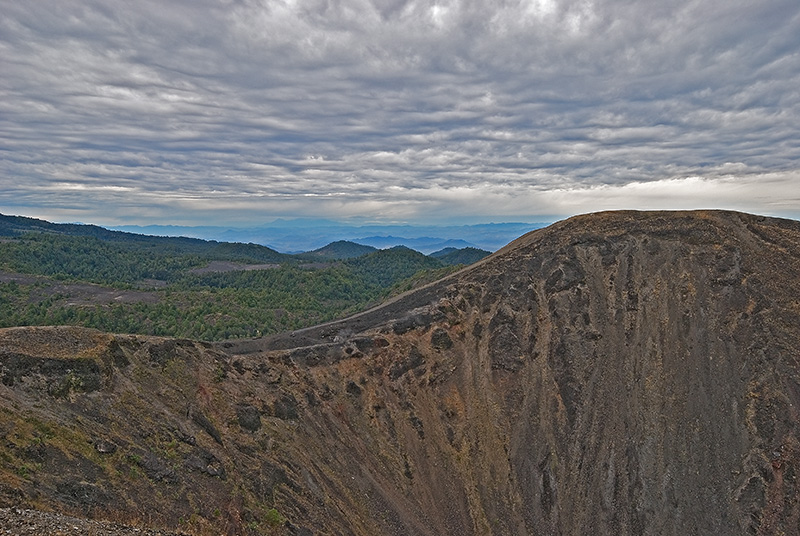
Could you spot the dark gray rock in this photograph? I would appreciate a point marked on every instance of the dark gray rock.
(249, 417)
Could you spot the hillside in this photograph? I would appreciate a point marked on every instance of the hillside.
(454, 256)
(615, 373)
(55, 234)
(340, 249)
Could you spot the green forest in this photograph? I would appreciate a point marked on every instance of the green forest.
(55, 274)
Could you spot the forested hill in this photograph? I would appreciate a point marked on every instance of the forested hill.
(17, 226)
(84, 275)
(341, 249)
(453, 256)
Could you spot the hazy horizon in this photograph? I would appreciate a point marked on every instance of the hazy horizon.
(293, 236)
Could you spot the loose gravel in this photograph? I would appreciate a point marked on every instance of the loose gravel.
(20, 522)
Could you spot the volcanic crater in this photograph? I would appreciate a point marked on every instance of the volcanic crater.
(614, 373)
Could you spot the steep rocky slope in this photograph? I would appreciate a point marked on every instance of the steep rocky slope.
(616, 373)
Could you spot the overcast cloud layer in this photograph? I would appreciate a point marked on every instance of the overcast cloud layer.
(240, 111)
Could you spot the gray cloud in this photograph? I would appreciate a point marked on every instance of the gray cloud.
(243, 110)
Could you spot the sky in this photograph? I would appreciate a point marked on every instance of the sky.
(238, 112)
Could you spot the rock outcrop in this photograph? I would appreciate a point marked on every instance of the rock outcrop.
(615, 373)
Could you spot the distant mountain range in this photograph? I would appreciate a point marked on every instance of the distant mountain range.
(449, 251)
(294, 236)
(426, 244)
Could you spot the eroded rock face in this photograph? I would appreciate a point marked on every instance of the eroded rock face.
(618, 373)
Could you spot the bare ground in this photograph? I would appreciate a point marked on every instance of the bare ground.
(76, 294)
(19, 521)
